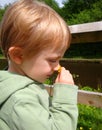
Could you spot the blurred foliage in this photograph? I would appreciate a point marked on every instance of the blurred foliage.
(89, 50)
(89, 118)
(91, 14)
(2, 11)
(51, 80)
(74, 11)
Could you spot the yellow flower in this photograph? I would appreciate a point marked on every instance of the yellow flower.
(81, 128)
(59, 69)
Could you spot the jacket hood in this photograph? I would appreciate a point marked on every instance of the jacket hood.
(10, 83)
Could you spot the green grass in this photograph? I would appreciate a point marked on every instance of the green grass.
(89, 117)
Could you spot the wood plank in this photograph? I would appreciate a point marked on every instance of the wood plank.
(86, 27)
(87, 37)
(86, 32)
(90, 98)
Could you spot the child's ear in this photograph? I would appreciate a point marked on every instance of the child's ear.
(16, 54)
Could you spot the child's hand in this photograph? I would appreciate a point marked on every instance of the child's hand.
(64, 77)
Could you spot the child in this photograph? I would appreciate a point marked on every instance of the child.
(34, 38)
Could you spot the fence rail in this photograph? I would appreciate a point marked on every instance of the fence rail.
(90, 98)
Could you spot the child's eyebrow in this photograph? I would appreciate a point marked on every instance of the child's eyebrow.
(55, 57)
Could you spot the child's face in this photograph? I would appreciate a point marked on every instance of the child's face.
(42, 66)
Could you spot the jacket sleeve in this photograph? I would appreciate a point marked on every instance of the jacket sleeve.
(62, 115)
(64, 107)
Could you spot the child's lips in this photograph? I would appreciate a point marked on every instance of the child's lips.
(49, 75)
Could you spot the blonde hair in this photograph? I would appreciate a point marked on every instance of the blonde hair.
(33, 26)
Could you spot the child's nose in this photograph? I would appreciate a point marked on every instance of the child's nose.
(57, 67)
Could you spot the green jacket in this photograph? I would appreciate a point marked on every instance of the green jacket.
(24, 105)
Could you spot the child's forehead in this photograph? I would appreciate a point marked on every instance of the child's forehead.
(57, 53)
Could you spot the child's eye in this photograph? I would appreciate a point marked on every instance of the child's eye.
(53, 61)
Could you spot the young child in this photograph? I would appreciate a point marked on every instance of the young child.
(34, 38)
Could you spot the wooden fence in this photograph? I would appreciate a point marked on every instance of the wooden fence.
(85, 33)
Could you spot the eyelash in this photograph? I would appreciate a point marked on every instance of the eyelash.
(53, 61)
